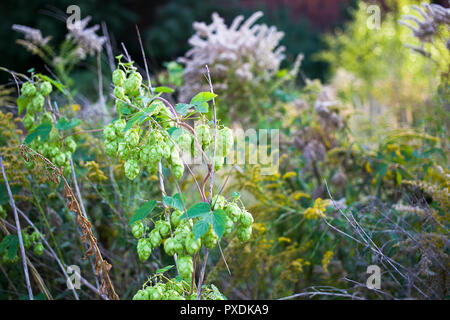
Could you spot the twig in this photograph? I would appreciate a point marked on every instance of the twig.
(202, 275)
(145, 60)
(211, 179)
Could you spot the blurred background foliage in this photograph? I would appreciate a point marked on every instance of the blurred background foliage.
(165, 27)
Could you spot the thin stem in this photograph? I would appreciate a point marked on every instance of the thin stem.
(202, 275)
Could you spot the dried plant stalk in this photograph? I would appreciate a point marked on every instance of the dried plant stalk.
(54, 174)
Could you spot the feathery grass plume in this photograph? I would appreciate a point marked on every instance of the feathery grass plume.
(31, 34)
(86, 38)
(242, 58)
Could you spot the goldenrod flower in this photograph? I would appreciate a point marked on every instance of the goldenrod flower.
(289, 174)
(298, 194)
(76, 107)
(326, 260)
(368, 168)
(317, 211)
(284, 239)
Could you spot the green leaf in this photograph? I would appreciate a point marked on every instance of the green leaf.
(219, 221)
(174, 202)
(64, 125)
(200, 228)
(162, 270)
(124, 110)
(198, 210)
(132, 120)
(42, 130)
(22, 103)
(202, 107)
(182, 108)
(12, 248)
(202, 97)
(6, 241)
(164, 89)
(10, 243)
(172, 130)
(4, 197)
(143, 211)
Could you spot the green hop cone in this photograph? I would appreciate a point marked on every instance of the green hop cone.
(47, 117)
(35, 236)
(132, 83)
(137, 229)
(218, 202)
(155, 238)
(28, 89)
(203, 135)
(184, 141)
(28, 121)
(123, 150)
(155, 293)
(38, 249)
(109, 133)
(71, 145)
(118, 77)
(111, 148)
(45, 88)
(132, 138)
(175, 218)
(60, 159)
(119, 126)
(163, 227)
(210, 238)
(141, 295)
(233, 211)
(218, 163)
(192, 245)
(178, 171)
(244, 233)
(224, 141)
(131, 169)
(144, 249)
(170, 246)
(229, 225)
(26, 240)
(38, 102)
(246, 219)
(185, 266)
(119, 93)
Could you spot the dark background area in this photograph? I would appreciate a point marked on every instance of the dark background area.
(166, 26)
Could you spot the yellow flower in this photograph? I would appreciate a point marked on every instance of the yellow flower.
(298, 194)
(317, 211)
(289, 174)
(297, 264)
(76, 107)
(368, 168)
(326, 260)
(284, 239)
